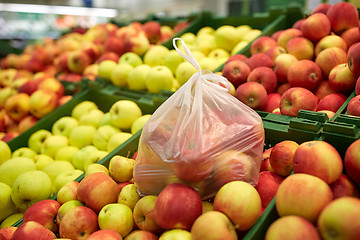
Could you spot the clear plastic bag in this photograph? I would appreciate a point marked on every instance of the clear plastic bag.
(200, 136)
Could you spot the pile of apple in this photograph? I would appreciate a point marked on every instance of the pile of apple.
(311, 66)
(162, 69)
(318, 201)
(25, 98)
(72, 147)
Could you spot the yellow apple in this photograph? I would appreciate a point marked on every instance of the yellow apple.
(139, 123)
(12, 168)
(156, 55)
(123, 113)
(137, 77)
(159, 78)
(120, 73)
(117, 139)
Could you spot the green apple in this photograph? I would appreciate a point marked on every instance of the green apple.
(219, 53)
(24, 152)
(56, 167)
(172, 60)
(5, 152)
(82, 108)
(184, 71)
(11, 220)
(37, 139)
(243, 30)
(64, 208)
(175, 234)
(116, 216)
(209, 63)
(105, 68)
(131, 58)
(123, 113)
(102, 136)
(94, 158)
(53, 143)
(159, 78)
(63, 125)
(105, 120)
(129, 196)
(119, 75)
(81, 155)
(156, 55)
(91, 118)
(121, 168)
(95, 167)
(226, 37)
(31, 187)
(238, 47)
(82, 135)
(251, 35)
(137, 77)
(42, 160)
(205, 30)
(189, 38)
(65, 177)
(198, 55)
(12, 168)
(139, 123)
(206, 43)
(66, 153)
(7, 207)
(117, 139)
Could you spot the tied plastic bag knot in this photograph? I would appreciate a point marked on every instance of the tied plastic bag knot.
(200, 136)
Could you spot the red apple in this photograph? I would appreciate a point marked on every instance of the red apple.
(330, 41)
(267, 186)
(324, 89)
(240, 57)
(9, 136)
(141, 235)
(316, 26)
(273, 102)
(329, 58)
(262, 44)
(288, 34)
(352, 160)
(298, 23)
(114, 44)
(180, 26)
(17, 106)
(357, 86)
(283, 88)
(108, 56)
(297, 98)
(8, 232)
(281, 157)
(236, 72)
(29, 87)
(177, 206)
(304, 73)
(274, 52)
(351, 36)
(276, 35)
(353, 107)
(282, 64)
(152, 31)
(331, 102)
(92, 49)
(103, 234)
(259, 60)
(144, 214)
(342, 16)
(353, 59)
(344, 187)
(253, 94)
(321, 8)
(77, 61)
(265, 161)
(264, 76)
(42, 102)
(32, 231)
(54, 85)
(301, 48)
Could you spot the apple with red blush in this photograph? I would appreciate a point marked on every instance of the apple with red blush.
(273, 102)
(253, 94)
(316, 26)
(236, 72)
(297, 98)
(282, 64)
(267, 186)
(342, 16)
(264, 76)
(331, 102)
(262, 44)
(259, 60)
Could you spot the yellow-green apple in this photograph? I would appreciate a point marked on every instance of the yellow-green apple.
(293, 227)
(184, 71)
(236, 72)
(78, 223)
(324, 89)
(152, 31)
(353, 59)
(204, 44)
(68, 192)
(11, 220)
(116, 216)
(172, 60)
(218, 54)
(265, 76)
(7, 207)
(130, 58)
(281, 157)
(5, 93)
(351, 36)
(102, 136)
(94, 167)
(66, 153)
(296, 98)
(121, 168)
(105, 68)
(144, 214)
(97, 190)
(159, 78)
(66, 207)
(27, 122)
(136, 79)
(77, 61)
(54, 85)
(342, 16)
(105, 120)
(262, 44)
(33, 230)
(43, 212)
(242, 209)
(94, 158)
(177, 206)
(155, 55)
(273, 102)
(42, 160)
(267, 186)
(347, 226)
(117, 139)
(282, 64)
(108, 56)
(65, 177)
(353, 106)
(124, 113)
(329, 58)
(82, 108)
(301, 48)
(114, 44)
(30, 187)
(17, 106)
(238, 47)
(351, 159)
(288, 34)
(105, 234)
(303, 195)
(8, 232)
(52, 144)
(331, 102)
(141, 234)
(226, 37)
(209, 63)
(321, 8)
(91, 118)
(139, 123)
(80, 156)
(23, 152)
(316, 26)
(128, 196)
(330, 41)
(304, 73)
(318, 158)
(253, 94)
(175, 234)
(12, 168)
(251, 35)
(207, 30)
(57, 167)
(213, 225)
(120, 73)
(273, 52)
(344, 187)
(82, 135)
(42, 102)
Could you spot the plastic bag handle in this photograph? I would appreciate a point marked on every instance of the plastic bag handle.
(188, 56)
